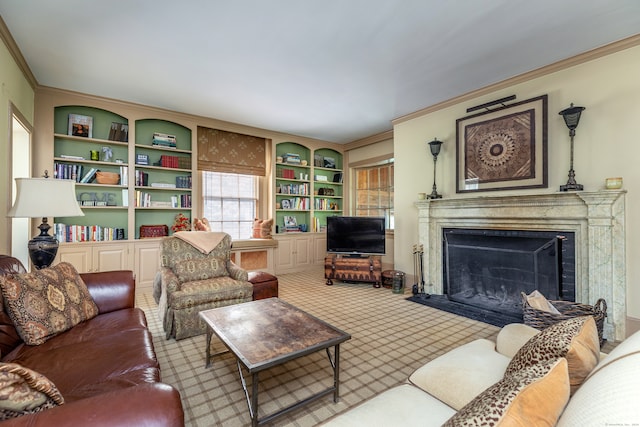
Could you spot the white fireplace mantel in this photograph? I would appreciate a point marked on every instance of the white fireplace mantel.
(597, 220)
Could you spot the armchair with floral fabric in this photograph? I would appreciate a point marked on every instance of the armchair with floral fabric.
(196, 274)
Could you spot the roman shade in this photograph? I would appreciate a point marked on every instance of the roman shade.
(230, 152)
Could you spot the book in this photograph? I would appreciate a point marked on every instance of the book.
(89, 175)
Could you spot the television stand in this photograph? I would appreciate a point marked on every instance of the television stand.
(349, 268)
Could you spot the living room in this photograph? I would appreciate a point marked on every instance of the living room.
(603, 80)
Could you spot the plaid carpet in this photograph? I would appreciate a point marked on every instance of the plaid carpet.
(391, 337)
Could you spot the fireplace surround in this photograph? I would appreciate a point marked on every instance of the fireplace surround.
(597, 220)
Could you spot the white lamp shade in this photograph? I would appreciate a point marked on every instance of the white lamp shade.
(45, 197)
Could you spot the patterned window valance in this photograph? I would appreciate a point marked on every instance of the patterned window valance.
(222, 151)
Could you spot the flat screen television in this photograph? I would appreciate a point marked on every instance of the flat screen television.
(355, 235)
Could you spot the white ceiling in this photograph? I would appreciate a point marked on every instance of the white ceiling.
(336, 70)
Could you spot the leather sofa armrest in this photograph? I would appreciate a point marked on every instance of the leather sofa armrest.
(154, 404)
(111, 290)
(236, 272)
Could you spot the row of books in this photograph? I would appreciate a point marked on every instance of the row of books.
(295, 203)
(142, 180)
(293, 189)
(168, 161)
(318, 226)
(287, 173)
(325, 204)
(164, 140)
(144, 200)
(87, 233)
(68, 171)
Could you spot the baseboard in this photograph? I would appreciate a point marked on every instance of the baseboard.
(632, 326)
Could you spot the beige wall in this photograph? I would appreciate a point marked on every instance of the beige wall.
(606, 145)
(15, 91)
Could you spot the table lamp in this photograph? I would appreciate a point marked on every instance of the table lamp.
(42, 198)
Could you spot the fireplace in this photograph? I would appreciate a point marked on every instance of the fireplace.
(488, 269)
(596, 221)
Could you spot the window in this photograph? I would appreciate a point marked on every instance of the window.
(230, 202)
(374, 191)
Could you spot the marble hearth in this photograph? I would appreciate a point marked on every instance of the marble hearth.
(596, 218)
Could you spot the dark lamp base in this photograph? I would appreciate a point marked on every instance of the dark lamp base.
(43, 248)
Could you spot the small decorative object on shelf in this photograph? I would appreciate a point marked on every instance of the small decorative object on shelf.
(119, 132)
(181, 223)
(142, 159)
(107, 154)
(80, 125)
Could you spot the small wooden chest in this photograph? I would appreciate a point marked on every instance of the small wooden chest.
(353, 269)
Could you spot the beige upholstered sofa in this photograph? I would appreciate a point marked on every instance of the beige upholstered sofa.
(196, 273)
(468, 386)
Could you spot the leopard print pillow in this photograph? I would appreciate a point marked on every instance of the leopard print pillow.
(575, 339)
(534, 396)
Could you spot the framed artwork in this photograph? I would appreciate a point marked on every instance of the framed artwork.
(80, 125)
(285, 203)
(505, 148)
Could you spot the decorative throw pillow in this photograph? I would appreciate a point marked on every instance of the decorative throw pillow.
(575, 339)
(201, 224)
(23, 391)
(535, 396)
(46, 302)
(262, 228)
(209, 267)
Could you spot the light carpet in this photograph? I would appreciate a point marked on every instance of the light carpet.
(391, 337)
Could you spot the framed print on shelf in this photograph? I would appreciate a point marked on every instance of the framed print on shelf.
(80, 125)
(503, 149)
(285, 203)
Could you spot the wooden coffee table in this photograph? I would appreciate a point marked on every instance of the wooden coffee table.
(269, 332)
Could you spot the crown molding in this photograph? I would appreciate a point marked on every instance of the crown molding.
(530, 75)
(14, 50)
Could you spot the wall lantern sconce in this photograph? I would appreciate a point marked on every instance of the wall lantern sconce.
(571, 118)
(435, 146)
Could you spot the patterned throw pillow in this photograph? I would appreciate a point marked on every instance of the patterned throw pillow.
(575, 339)
(46, 302)
(23, 391)
(262, 228)
(535, 396)
(209, 267)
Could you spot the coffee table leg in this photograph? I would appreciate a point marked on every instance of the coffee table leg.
(254, 400)
(335, 365)
(336, 374)
(208, 352)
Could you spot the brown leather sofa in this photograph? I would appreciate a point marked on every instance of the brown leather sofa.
(105, 368)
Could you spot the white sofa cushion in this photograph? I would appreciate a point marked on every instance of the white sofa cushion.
(606, 398)
(461, 374)
(403, 405)
(512, 337)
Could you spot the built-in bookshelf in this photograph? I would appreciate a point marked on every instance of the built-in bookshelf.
(308, 187)
(86, 147)
(120, 183)
(162, 172)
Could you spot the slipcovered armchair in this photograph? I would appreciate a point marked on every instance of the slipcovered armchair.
(196, 274)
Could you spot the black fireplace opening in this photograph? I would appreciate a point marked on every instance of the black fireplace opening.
(489, 269)
(486, 270)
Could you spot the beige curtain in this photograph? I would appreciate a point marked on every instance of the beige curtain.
(222, 151)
